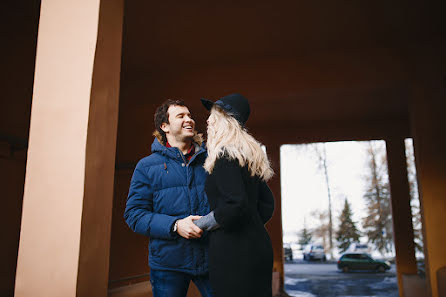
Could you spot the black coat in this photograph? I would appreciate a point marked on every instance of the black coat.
(240, 252)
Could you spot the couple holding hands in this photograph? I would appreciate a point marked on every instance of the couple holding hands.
(204, 207)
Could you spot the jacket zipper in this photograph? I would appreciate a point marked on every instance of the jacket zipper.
(187, 162)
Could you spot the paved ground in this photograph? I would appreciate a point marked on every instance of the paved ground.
(303, 279)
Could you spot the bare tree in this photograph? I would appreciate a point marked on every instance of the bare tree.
(378, 222)
(321, 155)
(321, 231)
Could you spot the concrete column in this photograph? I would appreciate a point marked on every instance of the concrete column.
(66, 219)
(401, 210)
(275, 224)
(428, 122)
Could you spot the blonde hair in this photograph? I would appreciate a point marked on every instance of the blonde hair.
(227, 137)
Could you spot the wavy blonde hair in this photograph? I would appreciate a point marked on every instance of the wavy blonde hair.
(227, 137)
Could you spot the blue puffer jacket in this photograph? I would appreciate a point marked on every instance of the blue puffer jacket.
(165, 188)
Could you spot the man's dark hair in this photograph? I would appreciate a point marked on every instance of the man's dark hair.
(162, 116)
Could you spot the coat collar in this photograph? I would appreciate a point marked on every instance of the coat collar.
(174, 152)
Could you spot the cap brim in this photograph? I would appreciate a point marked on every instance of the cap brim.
(207, 103)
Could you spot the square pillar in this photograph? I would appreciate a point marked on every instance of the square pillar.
(274, 226)
(66, 219)
(428, 120)
(401, 211)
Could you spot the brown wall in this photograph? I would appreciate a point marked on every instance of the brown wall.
(19, 22)
(128, 251)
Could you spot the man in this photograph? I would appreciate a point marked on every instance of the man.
(166, 195)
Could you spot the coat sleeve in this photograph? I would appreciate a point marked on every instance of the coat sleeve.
(207, 222)
(139, 213)
(232, 205)
(265, 204)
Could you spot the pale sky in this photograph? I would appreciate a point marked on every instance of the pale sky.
(304, 188)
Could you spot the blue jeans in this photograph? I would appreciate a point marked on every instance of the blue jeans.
(175, 284)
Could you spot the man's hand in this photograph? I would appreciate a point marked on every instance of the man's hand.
(187, 229)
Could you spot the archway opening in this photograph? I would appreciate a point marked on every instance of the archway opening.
(352, 252)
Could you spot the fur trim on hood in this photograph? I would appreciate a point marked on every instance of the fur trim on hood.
(198, 138)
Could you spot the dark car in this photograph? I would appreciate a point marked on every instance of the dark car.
(287, 253)
(361, 261)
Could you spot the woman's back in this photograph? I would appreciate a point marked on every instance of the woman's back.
(240, 252)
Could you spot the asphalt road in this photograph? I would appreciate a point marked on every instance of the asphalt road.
(310, 279)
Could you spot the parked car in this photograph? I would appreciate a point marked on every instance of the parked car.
(287, 252)
(314, 252)
(361, 261)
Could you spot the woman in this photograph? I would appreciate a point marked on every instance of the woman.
(240, 252)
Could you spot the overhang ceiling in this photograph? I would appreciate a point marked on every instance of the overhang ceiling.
(166, 33)
(301, 63)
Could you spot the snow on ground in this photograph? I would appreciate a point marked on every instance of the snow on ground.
(299, 294)
(294, 281)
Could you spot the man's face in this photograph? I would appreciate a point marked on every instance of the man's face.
(181, 126)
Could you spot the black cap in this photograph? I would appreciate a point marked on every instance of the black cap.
(235, 105)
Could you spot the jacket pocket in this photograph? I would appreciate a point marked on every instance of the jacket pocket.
(171, 254)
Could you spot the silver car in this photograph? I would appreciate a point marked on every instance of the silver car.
(314, 252)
